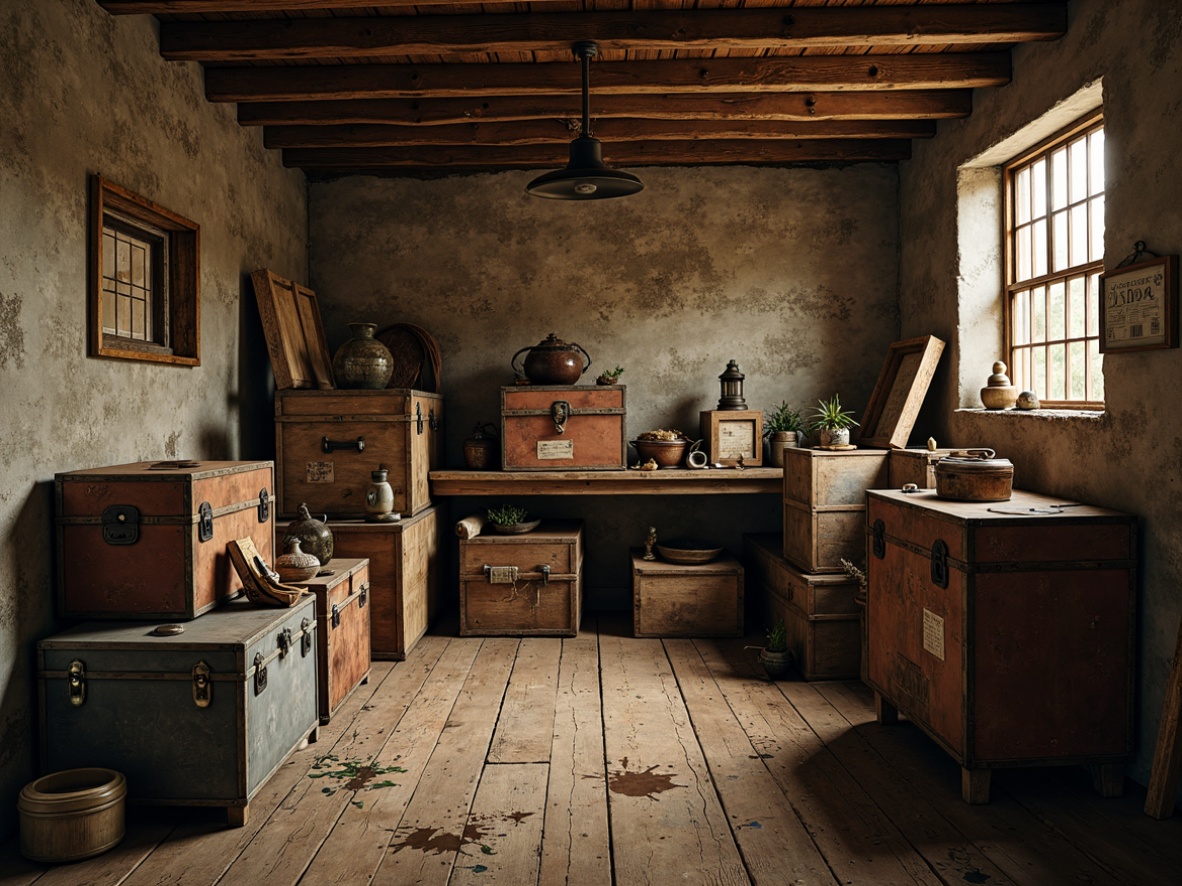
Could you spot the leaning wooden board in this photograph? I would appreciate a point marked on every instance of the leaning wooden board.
(199, 718)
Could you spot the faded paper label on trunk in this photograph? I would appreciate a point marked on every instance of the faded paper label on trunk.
(555, 449)
(933, 634)
(319, 472)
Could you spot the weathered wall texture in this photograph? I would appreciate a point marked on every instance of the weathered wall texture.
(790, 272)
(1131, 457)
(82, 93)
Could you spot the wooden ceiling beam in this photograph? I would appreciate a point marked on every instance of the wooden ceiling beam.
(664, 153)
(625, 30)
(554, 131)
(821, 73)
(161, 7)
(903, 105)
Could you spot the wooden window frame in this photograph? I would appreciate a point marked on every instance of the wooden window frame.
(179, 286)
(1046, 147)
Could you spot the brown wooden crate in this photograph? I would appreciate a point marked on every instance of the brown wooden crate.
(916, 466)
(1049, 615)
(593, 438)
(334, 483)
(168, 572)
(822, 620)
(532, 605)
(819, 478)
(403, 576)
(816, 540)
(678, 600)
(343, 655)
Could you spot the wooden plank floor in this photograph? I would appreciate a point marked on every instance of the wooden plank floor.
(610, 760)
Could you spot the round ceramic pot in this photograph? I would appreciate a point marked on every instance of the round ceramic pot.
(833, 436)
(294, 564)
(666, 453)
(480, 449)
(314, 535)
(776, 443)
(379, 497)
(363, 361)
(777, 664)
(552, 361)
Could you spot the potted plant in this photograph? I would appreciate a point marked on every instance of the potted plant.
(610, 377)
(782, 427)
(832, 423)
(775, 657)
(511, 520)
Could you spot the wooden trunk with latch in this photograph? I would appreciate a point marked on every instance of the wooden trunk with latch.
(563, 428)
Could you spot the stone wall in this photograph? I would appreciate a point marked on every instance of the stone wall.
(88, 93)
(1130, 457)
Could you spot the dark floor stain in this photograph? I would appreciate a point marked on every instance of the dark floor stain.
(641, 784)
(430, 840)
(975, 876)
(519, 817)
(357, 776)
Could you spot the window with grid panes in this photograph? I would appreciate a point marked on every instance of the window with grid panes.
(1054, 210)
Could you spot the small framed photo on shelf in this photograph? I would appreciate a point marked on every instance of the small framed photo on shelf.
(1139, 305)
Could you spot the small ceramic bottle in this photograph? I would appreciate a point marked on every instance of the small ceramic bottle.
(379, 499)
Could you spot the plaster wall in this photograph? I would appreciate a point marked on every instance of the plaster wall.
(84, 92)
(1130, 456)
(791, 272)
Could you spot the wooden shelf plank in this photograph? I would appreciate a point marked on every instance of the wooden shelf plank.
(667, 481)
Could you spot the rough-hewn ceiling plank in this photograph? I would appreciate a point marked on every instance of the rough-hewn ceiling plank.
(803, 106)
(797, 74)
(690, 153)
(793, 28)
(154, 7)
(534, 132)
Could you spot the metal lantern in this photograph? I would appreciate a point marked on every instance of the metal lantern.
(732, 388)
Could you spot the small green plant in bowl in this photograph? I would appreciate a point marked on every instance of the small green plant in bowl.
(831, 422)
(511, 520)
(775, 656)
(610, 376)
(782, 419)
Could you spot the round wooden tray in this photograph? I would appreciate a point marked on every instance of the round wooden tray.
(514, 528)
(688, 551)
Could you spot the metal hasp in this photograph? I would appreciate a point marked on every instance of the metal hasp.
(336, 616)
(305, 637)
(327, 445)
(940, 564)
(202, 685)
(878, 539)
(121, 525)
(260, 674)
(432, 420)
(76, 682)
(419, 419)
(264, 505)
(560, 412)
(364, 598)
(285, 641)
(205, 522)
(545, 576)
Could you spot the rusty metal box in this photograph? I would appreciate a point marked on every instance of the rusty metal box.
(820, 612)
(327, 443)
(825, 504)
(523, 585)
(403, 576)
(680, 600)
(1004, 630)
(342, 631)
(198, 718)
(148, 540)
(563, 428)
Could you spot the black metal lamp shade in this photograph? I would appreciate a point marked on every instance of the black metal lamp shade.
(585, 177)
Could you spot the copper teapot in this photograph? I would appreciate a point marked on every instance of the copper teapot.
(552, 362)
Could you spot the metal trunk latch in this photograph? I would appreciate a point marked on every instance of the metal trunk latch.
(364, 598)
(285, 641)
(418, 418)
(260, 674)
(878, 539)
(545, 576)
(264, 505)
(121, 524)
(306, 637)
(76, 677)
(205, 521)
(432, 420)
(560, 412)
(336, 616)
(202, 685)
(940, 564)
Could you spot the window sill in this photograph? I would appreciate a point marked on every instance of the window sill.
(1091, 415)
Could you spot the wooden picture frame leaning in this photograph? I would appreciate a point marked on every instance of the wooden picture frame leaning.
(1139, 305)
(899, 392)
(295, 336)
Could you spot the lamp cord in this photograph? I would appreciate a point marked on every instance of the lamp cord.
(586, 58)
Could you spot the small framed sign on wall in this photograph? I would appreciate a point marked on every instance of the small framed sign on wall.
(1139, 303)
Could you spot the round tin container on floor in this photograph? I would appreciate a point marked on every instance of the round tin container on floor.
(72, 814)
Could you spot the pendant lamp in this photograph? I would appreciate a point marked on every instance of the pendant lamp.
(585, 177)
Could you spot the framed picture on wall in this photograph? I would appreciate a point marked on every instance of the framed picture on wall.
(1139, 306)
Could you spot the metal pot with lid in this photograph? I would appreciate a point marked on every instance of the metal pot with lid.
(552, 362)
(974, 475)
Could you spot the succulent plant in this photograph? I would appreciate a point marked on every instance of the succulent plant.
(829, 415)
(507, 515)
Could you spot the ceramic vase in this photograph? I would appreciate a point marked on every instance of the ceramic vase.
(776, 443)
(314, 535)
(363, 361)
(379, 498)
(776, 664)
(294, 564)
(834, 436)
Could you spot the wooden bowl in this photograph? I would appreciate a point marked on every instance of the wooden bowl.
(688, 551)
(666, 453)
(71, 815)
(515, 528)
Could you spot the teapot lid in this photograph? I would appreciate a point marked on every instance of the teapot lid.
(553, 343)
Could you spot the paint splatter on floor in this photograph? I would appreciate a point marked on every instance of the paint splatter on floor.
(357, 776)
(431, 840)
(518, 817)
(641, 784)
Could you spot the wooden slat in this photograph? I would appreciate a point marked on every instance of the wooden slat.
(776, 846)
(965, 70)
(507, 819)
(815, 107)
(532, 132)
(1160, 799)
(665, 482)
(433, 831)
(577, 847)
(153, 7)
(623, 30)
(525, 727)
(665, 815)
